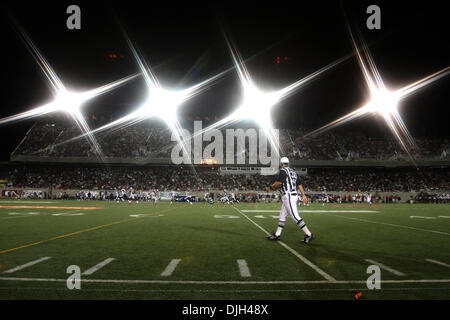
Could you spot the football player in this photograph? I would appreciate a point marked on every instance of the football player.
(288, 182)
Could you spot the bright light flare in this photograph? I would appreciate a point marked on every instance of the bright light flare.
(68, 101)
(65, 100)
(257, 105)
(162, 103)
(383, 101)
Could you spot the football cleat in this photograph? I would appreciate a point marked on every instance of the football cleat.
(273, 237)
(308, 239)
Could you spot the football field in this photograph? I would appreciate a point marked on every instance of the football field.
(201, 251)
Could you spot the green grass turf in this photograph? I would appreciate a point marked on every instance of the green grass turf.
(208, 247)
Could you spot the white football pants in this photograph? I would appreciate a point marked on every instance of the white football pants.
(290, 207)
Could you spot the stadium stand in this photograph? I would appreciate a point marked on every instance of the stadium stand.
(51, 137)
(342, 164)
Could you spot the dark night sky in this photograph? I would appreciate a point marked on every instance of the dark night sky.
(184, 44)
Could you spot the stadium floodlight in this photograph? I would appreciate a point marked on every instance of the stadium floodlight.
(160, 102)
(65, 100)
(382, 101)
(256, 104)
(164, 103)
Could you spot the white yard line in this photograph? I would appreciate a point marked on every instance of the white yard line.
(338, 211)
(97, 267)
(226, 291)
(438, 262)
(421, 217)
(26, 265)
(390, 224)
(295, 253)
(170, 268)
(243, 268)
(26, 201)
(15, 217)
(243, 282)
(321, 211)
(384, 267)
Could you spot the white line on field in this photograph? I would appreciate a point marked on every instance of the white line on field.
(338, 211)
(170, 268)
(438, 262)
(97, 266)
(312, 211)
(15, 217)
(243, 268)
(26, 265)
(26, 201)
(226, 291)
(389, 224)
(421, 217)
(295, 253)
(260, 210)
(293, 282)
(384, 267)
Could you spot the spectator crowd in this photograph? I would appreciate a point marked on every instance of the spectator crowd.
(53, 137)
(177, 178)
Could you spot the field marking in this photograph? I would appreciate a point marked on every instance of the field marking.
(243, 268)
(15, 217)
(336, 211)
(243, 282)
(438, 262)
(23, 213)
(358, 206)
(65, 235)
(68, 214)
(390, 224)
(26, 201)
(26, 265)
(170, 268)
(74, 233)
(421, 217)
(146, 215)
(52, 207)
(226, 291)
(225, 216)
(260, 210)
(388, 269)
(97, 267)
(29, 214)
(295, 253)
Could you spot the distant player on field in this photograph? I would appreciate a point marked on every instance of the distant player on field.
(288, 182)
(131, 195)
(369, 198)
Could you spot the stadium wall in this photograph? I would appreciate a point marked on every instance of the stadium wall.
(48, 193)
